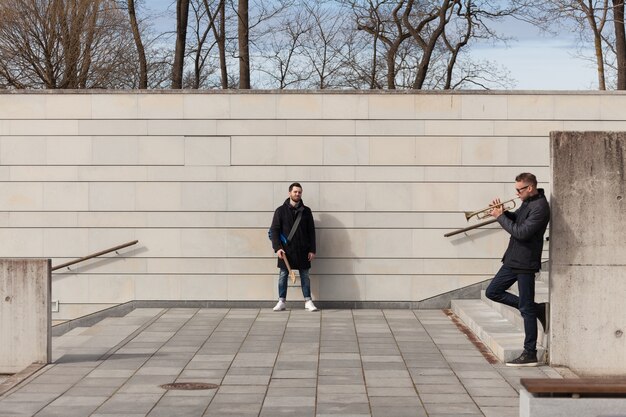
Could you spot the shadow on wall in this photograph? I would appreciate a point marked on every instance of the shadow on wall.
(335, 269)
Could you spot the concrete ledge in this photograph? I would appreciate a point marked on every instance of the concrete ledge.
(536, 406)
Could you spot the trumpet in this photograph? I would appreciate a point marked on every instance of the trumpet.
(484, 213)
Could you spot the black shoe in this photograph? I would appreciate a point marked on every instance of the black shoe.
(543, 315)
(525, 359)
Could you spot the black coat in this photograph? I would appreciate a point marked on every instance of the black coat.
(526, 226)
(302, 242)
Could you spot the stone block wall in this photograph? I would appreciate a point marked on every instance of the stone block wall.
(195, 178)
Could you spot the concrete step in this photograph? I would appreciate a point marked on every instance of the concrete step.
(502, 336)
(512, 314)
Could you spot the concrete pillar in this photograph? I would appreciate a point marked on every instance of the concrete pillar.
(588, 252)
(25, 326)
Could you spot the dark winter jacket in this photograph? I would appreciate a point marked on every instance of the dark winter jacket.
(526, 226)
(302, 242)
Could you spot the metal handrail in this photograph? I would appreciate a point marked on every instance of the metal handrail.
(94, 255)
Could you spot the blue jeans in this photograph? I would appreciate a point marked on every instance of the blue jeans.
(305, 282)
(525, 303)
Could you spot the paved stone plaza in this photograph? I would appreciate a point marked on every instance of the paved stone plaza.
(387, 363)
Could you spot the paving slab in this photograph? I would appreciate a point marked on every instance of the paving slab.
(335, 363)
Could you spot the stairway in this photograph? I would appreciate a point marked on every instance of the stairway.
(501, 327)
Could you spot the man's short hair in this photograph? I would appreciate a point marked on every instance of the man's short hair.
(295, 184)
(528, 178)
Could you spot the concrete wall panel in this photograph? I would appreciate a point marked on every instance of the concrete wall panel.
(588, 252)
(195, 177)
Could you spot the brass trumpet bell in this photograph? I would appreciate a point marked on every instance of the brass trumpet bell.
(484, 213)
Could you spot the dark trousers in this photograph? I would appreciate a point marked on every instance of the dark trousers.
(525, 303)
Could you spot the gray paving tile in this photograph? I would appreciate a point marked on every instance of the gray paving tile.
(394, 411)
(458, 409)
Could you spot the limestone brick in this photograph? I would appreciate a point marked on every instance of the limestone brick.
(114, 106)
(459, 128)
(254, 150)
(207, 150)
(247, 196)
(612, 107)
(251, 287)
(391, 107)
(333, 197)
(438, 150)
(204, 242)
(577, 107)
(15, 150)
(335, 106)
(68, 106)
(67, 286)
(115, 127)
(484, 151)
(483, 106)
(73, 150)
(18, 106)
(21, 243)
(19, 196)
(341, 150)
(299, 106)
(160, 106)
(203, 196)
(206, 106)
(388, 197)
(41, 219)
(203, 287)
(526, 128)
(68, 243)
(437, 106)
(157, 287)
(61, 196)
(251, 127)
(319, 127)
(392, 150)
(115, 150)
(530, 107)
(181, 127)
(389, 127)
(342, 287)
(42, 173)
(388, 287)
(382, 173)
(292, 150)
(158, 196)
(161, 150)
(110, 288)
(161, 242)
(124, 173)
(253, 106)
(112, 196)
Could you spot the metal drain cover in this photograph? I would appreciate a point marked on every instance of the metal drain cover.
(188, 386)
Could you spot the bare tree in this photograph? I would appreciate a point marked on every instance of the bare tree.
(182, 18)
(243, 28)
(141, 52)
(60, 44)
(620, 43)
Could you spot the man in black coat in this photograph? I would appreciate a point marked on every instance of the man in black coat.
(522, 260)
(299, 248)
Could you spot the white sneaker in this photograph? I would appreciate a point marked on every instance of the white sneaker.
(280, 306)
(309, 306)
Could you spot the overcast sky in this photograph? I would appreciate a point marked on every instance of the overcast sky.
(535, 60)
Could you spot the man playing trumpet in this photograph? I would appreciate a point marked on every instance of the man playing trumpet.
(522, 260)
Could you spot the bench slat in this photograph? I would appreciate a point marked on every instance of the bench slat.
(575, 386)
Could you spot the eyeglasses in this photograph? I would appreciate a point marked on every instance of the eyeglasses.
(519, 190)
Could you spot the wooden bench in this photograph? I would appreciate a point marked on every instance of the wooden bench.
(614, 387)
(549, 397)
